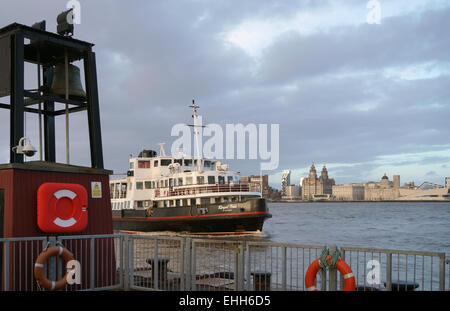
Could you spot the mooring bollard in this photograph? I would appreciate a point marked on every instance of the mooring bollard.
(162, 268)
(261, 280)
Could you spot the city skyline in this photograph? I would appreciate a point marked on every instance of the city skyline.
(363, 99)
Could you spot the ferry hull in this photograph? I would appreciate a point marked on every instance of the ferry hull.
(225, 217)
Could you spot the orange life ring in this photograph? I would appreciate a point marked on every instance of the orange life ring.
(341, 266)
(42, 259)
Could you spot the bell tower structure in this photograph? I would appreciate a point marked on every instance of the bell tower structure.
(66, 198)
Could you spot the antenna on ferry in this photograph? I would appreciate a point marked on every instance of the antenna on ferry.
(196, 132)
(162, 152)
(194, 109)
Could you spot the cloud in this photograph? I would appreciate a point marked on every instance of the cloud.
(344, 92)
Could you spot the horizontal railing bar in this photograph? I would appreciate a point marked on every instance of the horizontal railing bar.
(155, 237)
(97, 236)
(269, 244)
(392, 251)
(23, 239)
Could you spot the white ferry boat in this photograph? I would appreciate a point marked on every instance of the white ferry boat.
(167, 193)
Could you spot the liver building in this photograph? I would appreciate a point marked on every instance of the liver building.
(314, 187)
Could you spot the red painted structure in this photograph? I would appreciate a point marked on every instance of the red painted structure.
(19, 184)
(22, 181)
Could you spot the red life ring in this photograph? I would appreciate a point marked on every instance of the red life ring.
(62, 207)
(42, 259)
(341, 266)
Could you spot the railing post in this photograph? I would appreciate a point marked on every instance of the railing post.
(342, 280)
(194, 266)
(187, 264)
(388, 271)
(125, 271)
(6, 264)
(248, 265)
(155, 271)
(442, 272)
(236, 269)
(323, 285)
(52, 261)
(332, 274)
(92, 265)
(129, 261)
(121, 264)
(182, 272)
(239, 267)
(283, 268)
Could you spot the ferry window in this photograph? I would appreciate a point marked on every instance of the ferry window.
(139, 185)
(170, 182)
(179, 161)
(140, 204)
(165, 162)
(180, 181)
(217, 200)
(156, 163)
(166, 183)
(185, 202)
(205, 201)
(131, 165)
(230, 179)
(221, 180)
(207, 163)
(200, 180)
(144, 164)
(128, 204)
(148, 185)
(153, 185)
(211, 180)
(233, 199)
(165, 203)
(188, 162)
(188, 180)
(177, 203)
(225, 199)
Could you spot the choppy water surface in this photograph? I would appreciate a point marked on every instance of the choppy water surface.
(387, 225)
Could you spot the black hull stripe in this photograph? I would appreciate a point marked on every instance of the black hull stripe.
(196, 216)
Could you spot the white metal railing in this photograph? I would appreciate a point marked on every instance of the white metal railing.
(153, 262)
(205, 188)
(100, 258)
(205, 264)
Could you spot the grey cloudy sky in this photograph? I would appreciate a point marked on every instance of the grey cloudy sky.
(364, 99)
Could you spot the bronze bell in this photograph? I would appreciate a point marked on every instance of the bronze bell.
(59, 82)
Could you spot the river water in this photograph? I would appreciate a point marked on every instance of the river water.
(412, 226)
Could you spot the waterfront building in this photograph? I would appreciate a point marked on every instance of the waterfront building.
(349, 192)
(285, 181)
(424, 194)
(317, 187)
(447, 182)
(292, 193)
(255, 181)
(383, 190)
